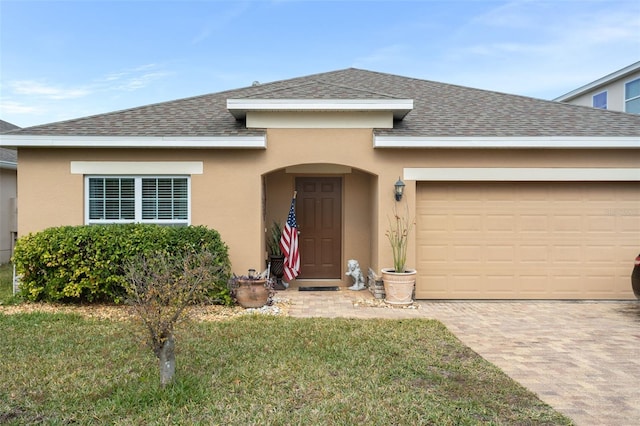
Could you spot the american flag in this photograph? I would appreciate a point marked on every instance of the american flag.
(289, 244)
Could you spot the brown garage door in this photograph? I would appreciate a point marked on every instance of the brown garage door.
(525, 240)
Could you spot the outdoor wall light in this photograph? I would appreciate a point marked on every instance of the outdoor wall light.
(399, 189)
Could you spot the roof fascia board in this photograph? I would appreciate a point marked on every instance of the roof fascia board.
(600, 82)
(547, 142)
(222, 142)
(497, 174)
(400, 107)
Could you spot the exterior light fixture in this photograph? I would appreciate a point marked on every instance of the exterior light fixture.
(399, 189)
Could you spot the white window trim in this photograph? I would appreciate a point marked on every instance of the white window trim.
(138, 200)
(112, 168)
(593, 99)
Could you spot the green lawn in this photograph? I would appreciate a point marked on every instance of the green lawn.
(6, 283)
(65, 368)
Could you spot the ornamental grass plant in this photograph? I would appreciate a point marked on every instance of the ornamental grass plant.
(400, 226)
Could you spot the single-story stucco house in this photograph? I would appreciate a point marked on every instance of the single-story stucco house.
(513, 197)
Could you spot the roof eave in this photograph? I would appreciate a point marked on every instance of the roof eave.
(544, 142)
(399, 107)
(170, 142)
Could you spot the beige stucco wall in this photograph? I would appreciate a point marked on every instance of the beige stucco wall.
(229, 196)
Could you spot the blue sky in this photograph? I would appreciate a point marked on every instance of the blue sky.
(69, 59)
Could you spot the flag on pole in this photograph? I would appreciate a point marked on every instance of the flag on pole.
(289, 244)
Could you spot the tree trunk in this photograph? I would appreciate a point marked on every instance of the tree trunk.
(167, 361)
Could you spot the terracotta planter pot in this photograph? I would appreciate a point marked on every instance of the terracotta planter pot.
(398, 286)
(252, 293)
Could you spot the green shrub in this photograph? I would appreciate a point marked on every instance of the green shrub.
(85, 263)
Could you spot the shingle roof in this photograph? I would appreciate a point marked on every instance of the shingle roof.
(5, 126)
(8, 155)
(440, 110)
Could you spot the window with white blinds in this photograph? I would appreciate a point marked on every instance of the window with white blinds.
(150, 199)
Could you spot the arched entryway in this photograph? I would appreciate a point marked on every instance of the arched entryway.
(335, 213)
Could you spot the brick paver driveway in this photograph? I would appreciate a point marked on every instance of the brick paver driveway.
(582, 358)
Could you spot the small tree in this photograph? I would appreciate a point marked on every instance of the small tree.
(160, 288)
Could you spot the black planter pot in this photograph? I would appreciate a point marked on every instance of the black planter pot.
(277, 270)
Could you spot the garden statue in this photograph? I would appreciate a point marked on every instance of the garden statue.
(353, 269)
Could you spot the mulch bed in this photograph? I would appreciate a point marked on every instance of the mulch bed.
(123, 313)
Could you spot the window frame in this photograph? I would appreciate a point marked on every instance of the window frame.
(627, 99)
(138, 217)
(606, 100)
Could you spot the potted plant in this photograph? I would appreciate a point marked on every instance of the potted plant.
(251, 291)
(399, 281)
(276, 257)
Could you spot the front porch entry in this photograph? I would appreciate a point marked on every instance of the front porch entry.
(334, 211)
(319, 216)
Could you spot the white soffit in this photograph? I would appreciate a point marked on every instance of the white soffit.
(399, 107)
(31, 141)
(523, 174)
(136, 167)
(506, 142)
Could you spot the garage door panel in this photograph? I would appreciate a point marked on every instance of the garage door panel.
(566, 254)
(435, 222)
(628, 222)
(529, 240)
(463, 223)
(434, 253)
(567, 223)
(534, 223)
(531, 254)
(498, 253)
(500, 223)
(467, 253)
(600, 223)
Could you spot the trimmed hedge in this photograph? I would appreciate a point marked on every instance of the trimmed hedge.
(85, 263)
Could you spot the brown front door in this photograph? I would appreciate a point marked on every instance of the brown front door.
(319, 216)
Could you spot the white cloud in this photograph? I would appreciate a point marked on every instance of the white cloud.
(29, 100)
(140, 81)
(10, 107)
(36, 88)
(131, 79)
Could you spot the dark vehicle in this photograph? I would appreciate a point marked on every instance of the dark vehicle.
(635, 278)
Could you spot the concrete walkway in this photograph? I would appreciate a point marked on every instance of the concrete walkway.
(582, 358)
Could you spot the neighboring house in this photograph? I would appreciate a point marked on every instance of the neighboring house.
(513, 197)
(8, 205)
(618, 91)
